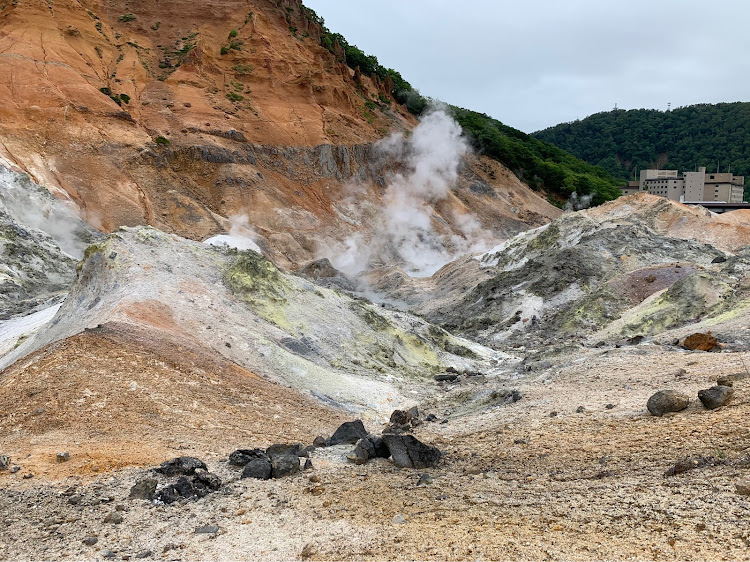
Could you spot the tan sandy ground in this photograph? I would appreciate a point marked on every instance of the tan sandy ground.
(514, 483)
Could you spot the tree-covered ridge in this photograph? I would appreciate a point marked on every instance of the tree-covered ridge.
(541, 165)
(698, 135)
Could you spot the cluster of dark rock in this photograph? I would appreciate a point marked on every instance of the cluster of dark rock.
(395, 441)
(274, 462)
(666, 401)
(193, 481)
(190, 479)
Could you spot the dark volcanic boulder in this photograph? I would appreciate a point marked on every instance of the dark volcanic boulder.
(208, 480)
(181, 489)
(241, 457)
(409, 452)
(283, 449)
(367, 448)
(257, 468)
(144, 489)
(180, 465)
(283, 465)
(348, 432)
(716, 396)
(666, 401)
(363, 451)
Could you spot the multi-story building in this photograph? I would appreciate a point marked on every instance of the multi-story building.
(691, 187)
(655, 175)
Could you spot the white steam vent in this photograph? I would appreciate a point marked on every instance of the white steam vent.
(240, 235)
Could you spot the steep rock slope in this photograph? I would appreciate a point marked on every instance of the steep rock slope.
(180, 114)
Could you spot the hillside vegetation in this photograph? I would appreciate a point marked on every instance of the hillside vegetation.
(622, 141)
(541, 165)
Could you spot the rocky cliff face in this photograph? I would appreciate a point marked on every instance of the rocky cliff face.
(181, 114)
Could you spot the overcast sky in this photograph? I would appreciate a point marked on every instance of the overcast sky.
(535, 63)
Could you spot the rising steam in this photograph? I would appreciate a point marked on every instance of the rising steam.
(241, 235)
(34, 207)
(578, 202)
(404, 229)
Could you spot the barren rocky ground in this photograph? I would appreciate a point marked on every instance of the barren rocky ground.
(515, 481)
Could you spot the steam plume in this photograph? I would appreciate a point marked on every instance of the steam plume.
(404, 227)
(240, 235)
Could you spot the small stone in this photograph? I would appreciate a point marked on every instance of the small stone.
(90, 541)
(308, 465)
(108, 554)
(305, 452)
(399, 519)
(144, 554)
(580, 410)
(719, 259)
(119, 507)
(39, 411)
(241, 457)
(610, 406)
(4, 462)
(207, 530)
(144, 489)
(114, 517)
(743, 487)
(27, 476)
(430, 418)
(425, 479)
(447, 377)
(180, 465)
(666, 401)
(74, 500)
(399, 417)
(716, 396)
(257, 468)
(553, 414)
(307, 551)
(348, 432)
(319, 441)
(284, 465)
(729, 380)
(63, 456)
(14, 469)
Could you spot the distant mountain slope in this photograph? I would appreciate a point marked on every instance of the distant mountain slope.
(697, 135)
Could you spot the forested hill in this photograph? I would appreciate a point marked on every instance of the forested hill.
(698, 135)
